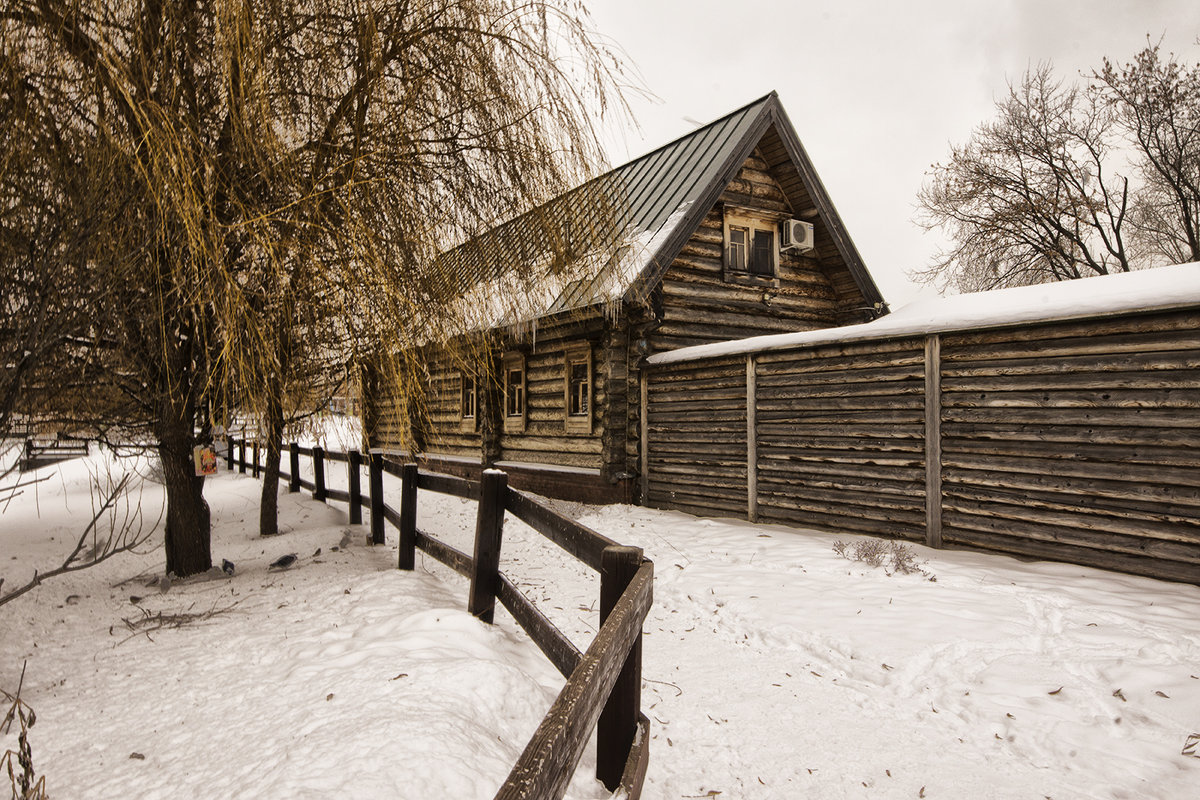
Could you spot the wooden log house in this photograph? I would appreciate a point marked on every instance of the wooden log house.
(724, 360)
(725, 233)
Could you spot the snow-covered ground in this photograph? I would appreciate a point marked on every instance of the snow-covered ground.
(773, 667)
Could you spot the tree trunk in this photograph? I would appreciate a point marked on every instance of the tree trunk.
(188, 532)
(268, 514)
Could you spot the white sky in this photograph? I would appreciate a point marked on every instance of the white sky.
(877, 90)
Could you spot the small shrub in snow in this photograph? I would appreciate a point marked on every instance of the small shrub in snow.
(24, 782)
(893, 556)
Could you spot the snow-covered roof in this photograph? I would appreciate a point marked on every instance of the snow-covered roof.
(1158, 289)
(597, 278)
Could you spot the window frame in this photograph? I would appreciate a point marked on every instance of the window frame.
(515, 422)
(752, 222)
(578, 422)
(468, 422)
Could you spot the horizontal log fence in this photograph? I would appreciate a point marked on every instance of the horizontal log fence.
(1071, 440)
(603, 686)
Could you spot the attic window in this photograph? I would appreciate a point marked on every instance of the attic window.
(751, 246)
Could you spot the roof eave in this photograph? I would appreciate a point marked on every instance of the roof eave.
(826, 209)
(658, 263)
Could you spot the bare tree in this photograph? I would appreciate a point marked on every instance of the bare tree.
(1031, 197)
(273, 179)
(1156, 104)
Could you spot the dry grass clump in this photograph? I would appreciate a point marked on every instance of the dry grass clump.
(893, 556)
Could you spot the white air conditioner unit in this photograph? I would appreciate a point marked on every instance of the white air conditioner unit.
(797, 235)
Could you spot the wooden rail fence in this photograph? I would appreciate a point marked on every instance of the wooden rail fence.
(603, 688)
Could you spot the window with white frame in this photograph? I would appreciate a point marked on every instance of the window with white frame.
(751, 245)
(468, 401)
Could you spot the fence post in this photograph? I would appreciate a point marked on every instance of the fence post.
(933, 440)
(242, 456)
(318, 473)
(618, 720)
(493, 494)
(294, 463)
(255, 468)
(408, 517)
(353, 464)
(376, 496)
(229, 453)
(751, 439)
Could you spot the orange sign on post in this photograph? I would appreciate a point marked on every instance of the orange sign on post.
(206, 460)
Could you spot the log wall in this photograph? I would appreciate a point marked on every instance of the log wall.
(841, 438)
(444, 430)
(696, 427)
(699, 305)
(1071, 441)
(593, 464)
(1076, 442)
(546, 439)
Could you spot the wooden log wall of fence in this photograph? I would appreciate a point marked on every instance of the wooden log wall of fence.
(1075, 441)
(603, 686)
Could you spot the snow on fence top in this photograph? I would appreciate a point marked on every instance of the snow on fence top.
(1157, 289)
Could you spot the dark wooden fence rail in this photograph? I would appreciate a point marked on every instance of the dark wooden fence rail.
(603, 688)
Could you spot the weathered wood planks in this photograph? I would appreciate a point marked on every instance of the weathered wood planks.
(1073, 440)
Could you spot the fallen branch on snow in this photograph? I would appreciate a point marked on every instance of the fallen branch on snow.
(150, 622)
(123, 534)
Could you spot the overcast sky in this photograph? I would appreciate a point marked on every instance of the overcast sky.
(876, 89)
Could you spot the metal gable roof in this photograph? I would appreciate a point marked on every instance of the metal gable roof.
(657, 187)
(631, 222)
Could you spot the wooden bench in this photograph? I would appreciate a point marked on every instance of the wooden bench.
(44, 453)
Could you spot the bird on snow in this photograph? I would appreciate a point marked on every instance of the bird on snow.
(283, 562)
(227, 566)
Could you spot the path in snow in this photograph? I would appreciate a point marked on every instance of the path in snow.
(339, 677)
(776, 669)
(773, 668)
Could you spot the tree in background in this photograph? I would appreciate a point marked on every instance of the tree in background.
(1156, 105)
(250, 196)
(1069, 182)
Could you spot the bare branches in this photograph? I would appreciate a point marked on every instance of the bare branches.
(117, 525)
(150, 622)
(1068, 182)
(1157, 105)
(1027, 200)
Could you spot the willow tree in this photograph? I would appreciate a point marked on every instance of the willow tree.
(275, 178)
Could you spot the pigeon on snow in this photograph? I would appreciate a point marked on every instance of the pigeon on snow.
(227, 566)
(283, 562)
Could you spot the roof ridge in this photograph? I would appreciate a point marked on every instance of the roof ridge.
(695, 132)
